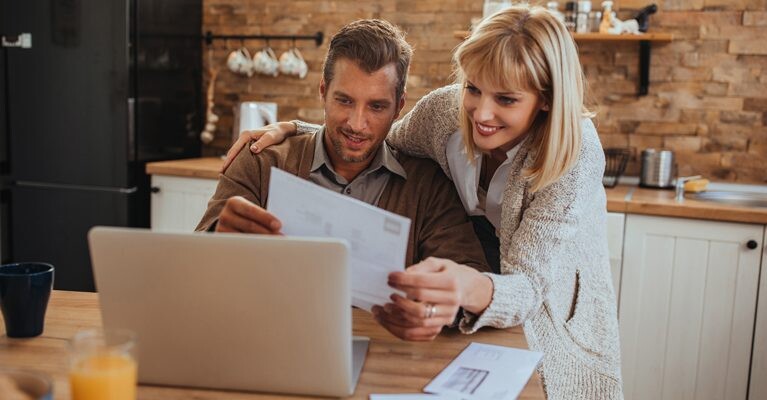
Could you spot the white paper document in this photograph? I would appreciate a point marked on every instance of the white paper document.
(378, 238)
(408, 396)
(484, 371)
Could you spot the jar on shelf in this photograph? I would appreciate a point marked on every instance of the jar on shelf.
(582, 17)
(570, 10)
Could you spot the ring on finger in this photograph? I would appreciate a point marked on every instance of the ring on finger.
(431, 309)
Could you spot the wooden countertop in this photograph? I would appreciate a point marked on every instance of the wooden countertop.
(662, 203)
(622, 198)
(391, 366)
(207, 167)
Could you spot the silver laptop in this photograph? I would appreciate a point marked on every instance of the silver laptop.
(237, 312)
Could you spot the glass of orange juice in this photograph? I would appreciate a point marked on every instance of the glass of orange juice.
(103, 365)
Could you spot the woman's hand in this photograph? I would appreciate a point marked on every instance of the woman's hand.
(435, 289)
(271, 134)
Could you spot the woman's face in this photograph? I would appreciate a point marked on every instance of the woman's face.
(500, 118)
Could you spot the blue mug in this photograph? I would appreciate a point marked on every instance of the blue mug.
(24, 292)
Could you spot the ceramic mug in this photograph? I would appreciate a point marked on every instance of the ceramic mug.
(24, 292)
(265, 62)
(239, 62)
(293, 63)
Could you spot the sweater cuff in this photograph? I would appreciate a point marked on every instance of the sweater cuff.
(507, 306)
(303, 128)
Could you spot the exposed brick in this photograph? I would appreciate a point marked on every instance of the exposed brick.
(683, 143)
(741, 117)
(722, 103)
(755, 18)
(692, 163)
(724, 4)
(732, 32)
(697, 18)
(748, 46)
(748, 90)
(683, 4)
(666, 128)
(609, 141)
(641, 142)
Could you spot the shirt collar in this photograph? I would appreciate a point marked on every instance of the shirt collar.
(385, 157)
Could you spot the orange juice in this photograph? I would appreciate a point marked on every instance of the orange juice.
(104, 377)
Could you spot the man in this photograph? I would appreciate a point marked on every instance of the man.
(363, 92)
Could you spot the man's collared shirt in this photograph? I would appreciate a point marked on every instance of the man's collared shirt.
(368, 185)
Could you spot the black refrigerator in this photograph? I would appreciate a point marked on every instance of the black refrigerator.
(90, 91)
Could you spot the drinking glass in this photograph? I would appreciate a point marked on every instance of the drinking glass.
(103, 365)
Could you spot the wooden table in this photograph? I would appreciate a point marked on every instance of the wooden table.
(391, 366)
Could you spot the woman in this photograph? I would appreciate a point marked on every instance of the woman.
(516, 140)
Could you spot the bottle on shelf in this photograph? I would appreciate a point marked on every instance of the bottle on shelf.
(570, 11)
(582, 17)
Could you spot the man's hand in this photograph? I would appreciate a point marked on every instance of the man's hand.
(435, 289)
(242, 216)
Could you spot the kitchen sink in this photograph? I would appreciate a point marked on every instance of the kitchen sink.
(746, 199)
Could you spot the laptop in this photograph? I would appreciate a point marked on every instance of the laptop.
(231, 311)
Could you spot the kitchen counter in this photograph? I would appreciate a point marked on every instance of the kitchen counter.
(206, 167)
(622, 199)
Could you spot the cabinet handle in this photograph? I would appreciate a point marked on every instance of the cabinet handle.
(155, 189)
(752, 244)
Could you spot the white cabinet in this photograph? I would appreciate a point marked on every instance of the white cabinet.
(687, 306)
(615, 224)
(758, 388)
(178, 203)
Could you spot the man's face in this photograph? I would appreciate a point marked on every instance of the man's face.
(360, 108)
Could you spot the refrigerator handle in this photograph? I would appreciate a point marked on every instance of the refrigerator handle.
(5, 225)
(131, 129)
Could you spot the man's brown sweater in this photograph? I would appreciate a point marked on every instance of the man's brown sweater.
(439, 228)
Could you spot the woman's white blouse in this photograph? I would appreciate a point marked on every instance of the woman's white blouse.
(465, 175)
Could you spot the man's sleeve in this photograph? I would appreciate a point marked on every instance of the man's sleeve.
(446, 231)
(242, 178)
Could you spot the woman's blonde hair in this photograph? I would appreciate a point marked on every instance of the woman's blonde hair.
(526, 47)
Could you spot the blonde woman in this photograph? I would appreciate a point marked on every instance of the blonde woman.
(515, 138)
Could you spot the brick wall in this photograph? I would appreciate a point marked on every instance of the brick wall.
(708, 87)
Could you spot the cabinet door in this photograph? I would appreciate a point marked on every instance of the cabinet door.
(615, 224)
(688, 298)
(758, 388)
(178, 203)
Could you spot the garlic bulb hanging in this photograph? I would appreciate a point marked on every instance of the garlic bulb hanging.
(211, 118)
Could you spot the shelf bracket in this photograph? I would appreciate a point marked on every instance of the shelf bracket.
(644, 67)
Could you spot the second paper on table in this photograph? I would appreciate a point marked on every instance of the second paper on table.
(378, 238)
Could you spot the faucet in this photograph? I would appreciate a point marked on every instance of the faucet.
(680, 181)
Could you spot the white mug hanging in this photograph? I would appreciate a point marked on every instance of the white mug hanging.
(292, 63)
(265, 62)
(239, 62)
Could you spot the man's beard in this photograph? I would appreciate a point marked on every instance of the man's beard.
(338, 146)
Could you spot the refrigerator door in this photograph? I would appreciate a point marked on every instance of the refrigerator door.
(50, 224)
(68, 94)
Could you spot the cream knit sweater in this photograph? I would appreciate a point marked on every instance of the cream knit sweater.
(555, 271)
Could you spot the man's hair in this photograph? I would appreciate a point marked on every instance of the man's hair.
(371, 44)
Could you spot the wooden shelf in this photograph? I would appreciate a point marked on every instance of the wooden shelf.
(602, 37)
(645, 40)
(605, 37)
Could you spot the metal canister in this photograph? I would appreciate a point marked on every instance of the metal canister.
(658, 168)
